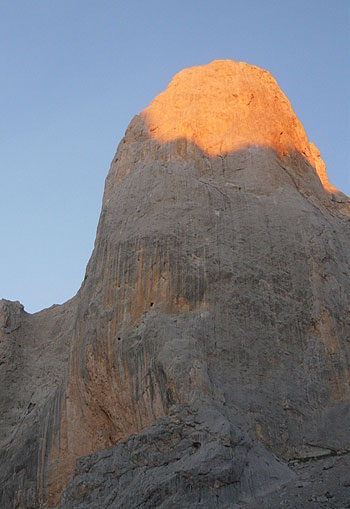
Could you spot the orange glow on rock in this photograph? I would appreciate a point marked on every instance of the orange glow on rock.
(226, 106)
(320, 168)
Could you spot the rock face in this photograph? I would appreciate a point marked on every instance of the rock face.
(209, 342)
(34, 353)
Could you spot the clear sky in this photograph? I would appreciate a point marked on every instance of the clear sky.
(74, 73)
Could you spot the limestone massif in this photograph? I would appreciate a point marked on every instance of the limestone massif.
(204, 362)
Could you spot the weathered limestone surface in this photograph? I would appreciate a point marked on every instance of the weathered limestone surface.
(197, 451)
(211, 334)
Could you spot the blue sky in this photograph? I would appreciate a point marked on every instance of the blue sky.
(74, 73)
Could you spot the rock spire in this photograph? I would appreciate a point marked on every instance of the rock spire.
(207, 350)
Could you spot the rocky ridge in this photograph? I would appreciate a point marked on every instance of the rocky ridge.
(208, 346)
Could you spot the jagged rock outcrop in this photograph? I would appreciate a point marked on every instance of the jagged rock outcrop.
(196, 451)
(209, 341)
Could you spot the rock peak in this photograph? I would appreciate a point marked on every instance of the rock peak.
(211, 332)
(226, 106)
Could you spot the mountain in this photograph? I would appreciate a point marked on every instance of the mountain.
(204, 362)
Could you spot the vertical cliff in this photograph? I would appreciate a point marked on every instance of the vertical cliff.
(209, 341)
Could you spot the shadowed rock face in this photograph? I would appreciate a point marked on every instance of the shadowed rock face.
(212, 324)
